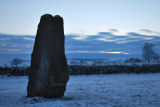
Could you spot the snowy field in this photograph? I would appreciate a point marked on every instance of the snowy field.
(114, 90)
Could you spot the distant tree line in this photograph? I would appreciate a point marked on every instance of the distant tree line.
(113, 69)
(86, 70)
(16, 71)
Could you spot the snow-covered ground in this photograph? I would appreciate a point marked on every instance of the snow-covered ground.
(114, 90)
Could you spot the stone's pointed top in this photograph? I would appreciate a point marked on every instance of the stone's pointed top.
(46, 18)
(47, 15)
(58, 17)
(58, 20)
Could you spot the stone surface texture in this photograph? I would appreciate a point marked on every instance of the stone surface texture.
(48, 74)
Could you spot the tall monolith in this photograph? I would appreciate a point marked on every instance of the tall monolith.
(48, 74)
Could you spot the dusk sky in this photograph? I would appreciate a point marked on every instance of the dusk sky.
(81, 16)
(93, 28)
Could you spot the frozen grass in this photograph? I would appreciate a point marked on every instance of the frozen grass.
(122, 90)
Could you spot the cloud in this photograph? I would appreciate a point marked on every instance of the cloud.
(13, 50)
(140, 36)
(105, 33)
(147, 31)
(28, 38)
(15, 43)
(3, 44)
(4, 39)
(106, 40)
(113, 30)
(29, 45)
(76, 44)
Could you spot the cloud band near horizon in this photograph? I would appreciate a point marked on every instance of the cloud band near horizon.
(103, 52)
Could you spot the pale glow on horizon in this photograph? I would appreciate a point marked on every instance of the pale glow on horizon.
(114, 52)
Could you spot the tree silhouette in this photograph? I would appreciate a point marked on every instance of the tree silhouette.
(149, 55)
(16, 61)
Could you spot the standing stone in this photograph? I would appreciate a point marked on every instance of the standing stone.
(48, 74)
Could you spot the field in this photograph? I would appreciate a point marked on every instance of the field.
(112, 90)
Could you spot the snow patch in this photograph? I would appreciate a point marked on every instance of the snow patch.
(140, 90)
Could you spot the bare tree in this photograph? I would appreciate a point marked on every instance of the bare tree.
(156, 58)
(149, 55)
(16, 61)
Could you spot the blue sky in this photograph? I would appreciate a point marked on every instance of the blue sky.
(81, 16)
